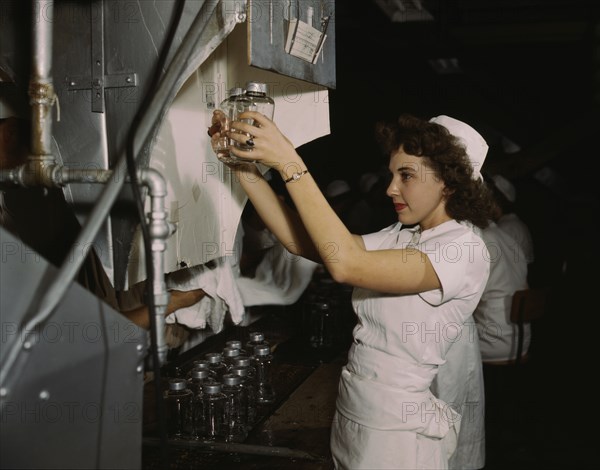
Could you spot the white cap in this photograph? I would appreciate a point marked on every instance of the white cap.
(474, 144)
(337, 188)
(505, 187)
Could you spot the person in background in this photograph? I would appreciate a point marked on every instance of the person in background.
(370, 212)
(497, 334)
(506, 195)
(43, 220)
(508, 274)
(412, 287)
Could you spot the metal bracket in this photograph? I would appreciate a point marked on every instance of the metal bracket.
(98, 82)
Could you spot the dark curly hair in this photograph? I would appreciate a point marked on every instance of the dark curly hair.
(466, 198)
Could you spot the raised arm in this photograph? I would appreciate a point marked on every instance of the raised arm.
(280, 219)
(344, 254)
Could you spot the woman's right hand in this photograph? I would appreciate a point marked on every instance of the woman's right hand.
(218, 141)
(217, 127)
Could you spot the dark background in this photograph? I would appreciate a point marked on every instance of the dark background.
(529, 70)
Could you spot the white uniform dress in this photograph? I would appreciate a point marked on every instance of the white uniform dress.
(386, 416)
(508, 273)
(459, 383)
(516, 228)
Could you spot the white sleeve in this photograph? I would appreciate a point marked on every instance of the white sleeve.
(461, 261)
(374, 240)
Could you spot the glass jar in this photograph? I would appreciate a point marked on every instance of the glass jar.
(216, 365)
(201, 364)
(321, 324)
(263, 361)
(213, 408)
(235, 419)
(254, 339)
(255, 98)
(179, 409)
(231, 107)
(229, 354)
(198, 377)
(196, 381)
(237, 345)
(249, 392)
(248, 363)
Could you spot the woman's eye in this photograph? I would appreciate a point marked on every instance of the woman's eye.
(405, 176)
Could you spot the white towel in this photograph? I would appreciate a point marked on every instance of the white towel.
(217, 280)
(280, 279)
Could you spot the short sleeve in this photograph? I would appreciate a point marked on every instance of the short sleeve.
(461, 261)
(376, 240)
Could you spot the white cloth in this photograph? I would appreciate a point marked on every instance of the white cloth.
(508, 273)
(516, 228)
(204, 199)
(217, 280)
(280, 279)
(399, 343)
(459, 382)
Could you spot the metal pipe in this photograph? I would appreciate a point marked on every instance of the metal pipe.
(63, 176)
(41, 96)
(161, 100)
(160, 230)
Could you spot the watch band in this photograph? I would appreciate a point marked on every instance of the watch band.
(295, 176)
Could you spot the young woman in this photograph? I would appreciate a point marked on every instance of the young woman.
(414, 286)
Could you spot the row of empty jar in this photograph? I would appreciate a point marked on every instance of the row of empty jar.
(219, 397)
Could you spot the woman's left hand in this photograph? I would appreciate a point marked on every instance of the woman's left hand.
(269, 146)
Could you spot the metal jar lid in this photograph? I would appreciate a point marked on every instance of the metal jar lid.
(200, 374)
(257, 336)
(177, 384)
(214, 357)
(242, 361)
(212, 388)
(240, 370)
(235, 91)
(262, 350)
(234, 344)
(232, 379)
(256, 87)
(200, 364)
(231, 352)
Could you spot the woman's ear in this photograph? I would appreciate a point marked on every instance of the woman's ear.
(447, 192)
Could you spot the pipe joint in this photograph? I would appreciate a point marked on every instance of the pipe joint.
(40, 170)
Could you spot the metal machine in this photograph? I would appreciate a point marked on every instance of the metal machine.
(96, 78)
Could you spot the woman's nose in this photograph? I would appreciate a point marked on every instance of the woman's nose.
(392, 189)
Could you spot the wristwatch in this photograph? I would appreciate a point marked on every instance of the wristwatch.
(296, 176)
